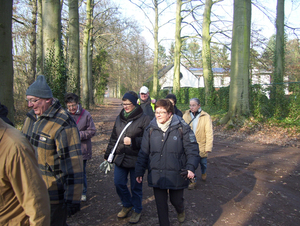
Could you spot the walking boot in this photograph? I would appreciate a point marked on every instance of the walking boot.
(124, 212)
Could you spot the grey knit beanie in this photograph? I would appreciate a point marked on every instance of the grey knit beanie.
(39, 88)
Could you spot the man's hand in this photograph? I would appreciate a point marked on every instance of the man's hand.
(73, 208)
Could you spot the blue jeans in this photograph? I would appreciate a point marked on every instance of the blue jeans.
(203, 164)
(84, 178)
(135, 198)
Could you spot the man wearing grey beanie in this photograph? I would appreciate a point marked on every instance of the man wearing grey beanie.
(55, 138)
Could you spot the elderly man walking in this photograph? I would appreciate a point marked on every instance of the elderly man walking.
(55, 137)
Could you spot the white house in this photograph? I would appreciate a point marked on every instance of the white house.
(187, 78)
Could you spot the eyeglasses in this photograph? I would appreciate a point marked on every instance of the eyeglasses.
(126, 105)
(161, 113)
(194, 105)
(32, 100)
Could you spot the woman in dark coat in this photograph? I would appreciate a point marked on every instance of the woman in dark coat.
(170, 153)
(126, 154)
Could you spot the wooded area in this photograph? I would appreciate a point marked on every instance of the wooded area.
(90, 48)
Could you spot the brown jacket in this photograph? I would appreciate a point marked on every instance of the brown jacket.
(203, 133)
(24, 198)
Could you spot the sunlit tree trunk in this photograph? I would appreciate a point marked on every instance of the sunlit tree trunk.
(277, 91)
(155, 62)
(74, 74)
(32, 65)
(206, 54)
(84, 61)
(177, 52)
(239, 70)
(51, 18)
(39, 39)
(90, 68)
(6, 62)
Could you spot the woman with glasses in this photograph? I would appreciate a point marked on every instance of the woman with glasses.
(200, 122)
(86, 129)
(170, 153)
(126, 154)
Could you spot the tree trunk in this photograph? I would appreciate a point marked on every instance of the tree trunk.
(90, 68)
(206, 54)
(74, 74)
(177, 52)
(51, 18)
(32, 66)
(155, 61)
(84, 66)
(39, 40)
(277, 90)
(6, 62)
(239, 70)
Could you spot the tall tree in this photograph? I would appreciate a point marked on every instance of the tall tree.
(277, 90)
(239, 70)
(206, 54)
(39, 39)
(51, 18)
(74, 75)
(85, 55)
(177, 49)
(6, 62)
(32, 65)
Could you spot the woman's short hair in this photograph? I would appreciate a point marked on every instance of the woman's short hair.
(71, 97)
(196, 100)
(166, 104)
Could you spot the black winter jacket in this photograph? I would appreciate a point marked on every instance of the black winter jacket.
(134, 131)
(165, 154)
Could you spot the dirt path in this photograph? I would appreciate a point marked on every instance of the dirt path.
(247, 184)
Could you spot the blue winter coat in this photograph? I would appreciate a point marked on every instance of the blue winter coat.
(165, 154)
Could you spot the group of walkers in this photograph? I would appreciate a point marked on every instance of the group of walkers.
(155, 136)
(43, 178)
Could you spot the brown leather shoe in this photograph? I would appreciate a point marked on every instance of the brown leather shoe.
(204, 177)
(124, 212)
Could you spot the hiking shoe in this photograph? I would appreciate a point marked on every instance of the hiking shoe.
(124, 212)
(192, 184)
(135, 217)
(204, 177)
(83, 198)
(181, 217)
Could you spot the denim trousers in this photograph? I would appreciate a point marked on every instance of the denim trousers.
(128, 199)
(203, 164)
(84, 178)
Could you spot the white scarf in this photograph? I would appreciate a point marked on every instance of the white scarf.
(164, 127)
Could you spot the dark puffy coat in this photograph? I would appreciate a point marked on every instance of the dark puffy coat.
(177, 111)
(134, 131)
(165, 154)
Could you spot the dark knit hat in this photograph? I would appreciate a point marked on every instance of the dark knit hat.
(131, 98)
(172, 96)
(39, 88)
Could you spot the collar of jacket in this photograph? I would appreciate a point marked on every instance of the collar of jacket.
(50, 112)
(175, 122)
(137, 112)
